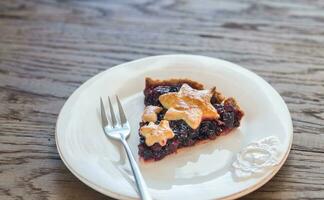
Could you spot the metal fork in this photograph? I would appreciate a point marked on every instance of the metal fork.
(120, 131)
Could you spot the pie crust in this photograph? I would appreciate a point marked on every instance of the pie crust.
(180, 113)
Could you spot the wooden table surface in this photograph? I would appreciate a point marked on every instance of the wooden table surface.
(49, 48)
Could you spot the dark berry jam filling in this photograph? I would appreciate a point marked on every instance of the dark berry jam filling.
(152, 94)
(230, 118)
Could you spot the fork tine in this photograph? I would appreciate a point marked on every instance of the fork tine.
(122, 115)
(104, 118)
(112, 114)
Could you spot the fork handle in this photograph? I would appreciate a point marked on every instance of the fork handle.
(140, 183)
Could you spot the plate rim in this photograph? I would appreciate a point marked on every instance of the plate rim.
(112, 194)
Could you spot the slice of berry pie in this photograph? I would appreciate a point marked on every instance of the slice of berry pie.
(179, 113)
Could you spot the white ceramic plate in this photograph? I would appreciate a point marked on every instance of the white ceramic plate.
(201, 172)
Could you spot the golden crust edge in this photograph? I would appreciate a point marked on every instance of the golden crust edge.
(150, 82)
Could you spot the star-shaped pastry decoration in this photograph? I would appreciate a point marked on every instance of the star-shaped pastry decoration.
(154, 133)
(190, 105)
(150, 113)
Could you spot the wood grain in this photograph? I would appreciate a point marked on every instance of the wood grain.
(48, 48)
